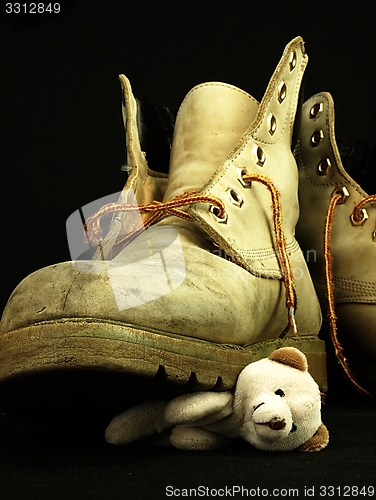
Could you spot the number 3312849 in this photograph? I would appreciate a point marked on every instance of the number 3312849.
(32, 8)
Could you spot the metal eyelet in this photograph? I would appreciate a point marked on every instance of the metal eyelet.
(282, 92)
(234, 197)
(259, 156)
(241, 173)
(272, 124)
(214, 212)
(316, 110)
(317, 137)
(374, 236)
(343, 191)
(292, 60)
(361, 221)
(324, 166)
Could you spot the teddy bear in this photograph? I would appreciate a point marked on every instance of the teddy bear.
(276, 406)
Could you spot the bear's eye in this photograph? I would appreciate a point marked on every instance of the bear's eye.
(279, 392)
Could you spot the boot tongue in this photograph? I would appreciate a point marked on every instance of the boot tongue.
(210, 122)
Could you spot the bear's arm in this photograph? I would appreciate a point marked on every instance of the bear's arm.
(200, 408)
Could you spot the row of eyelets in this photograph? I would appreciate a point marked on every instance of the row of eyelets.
(317, 138)
(234, 197)
(324, 166)
(282, 93)
(343, 191)
(259, 155)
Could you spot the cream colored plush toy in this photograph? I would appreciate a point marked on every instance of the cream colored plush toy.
(276, 407)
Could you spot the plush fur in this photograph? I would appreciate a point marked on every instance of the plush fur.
(276, 407)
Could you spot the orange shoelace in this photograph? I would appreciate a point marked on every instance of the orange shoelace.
(337, 198)
(93, 231)
(281, 245)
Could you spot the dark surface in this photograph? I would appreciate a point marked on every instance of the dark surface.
(70, 459)
(63, 146)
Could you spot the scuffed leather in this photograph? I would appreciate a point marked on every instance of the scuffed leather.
(218, 301)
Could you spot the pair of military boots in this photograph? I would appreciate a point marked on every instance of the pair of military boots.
(255, 229)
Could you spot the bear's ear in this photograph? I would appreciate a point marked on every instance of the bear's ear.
(290, 356)
(317, 442)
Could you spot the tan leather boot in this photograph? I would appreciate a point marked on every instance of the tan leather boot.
(337, 232)
(216, 281)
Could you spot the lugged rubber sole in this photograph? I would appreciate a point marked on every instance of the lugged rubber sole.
(73, 364)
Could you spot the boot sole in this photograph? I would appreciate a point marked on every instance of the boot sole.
(82, 364)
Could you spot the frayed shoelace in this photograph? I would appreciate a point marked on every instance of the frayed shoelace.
(93, 231)
(357, 216)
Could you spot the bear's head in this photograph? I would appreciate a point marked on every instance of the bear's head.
(279, 404)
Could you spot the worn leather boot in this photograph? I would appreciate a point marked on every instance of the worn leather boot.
(199, 275)
(337, 233)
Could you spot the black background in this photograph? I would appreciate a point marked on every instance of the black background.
(63, 140)
(62, 146)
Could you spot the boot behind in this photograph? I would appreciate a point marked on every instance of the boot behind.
(341, 244)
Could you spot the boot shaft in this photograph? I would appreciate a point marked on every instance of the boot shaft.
(210, 122)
